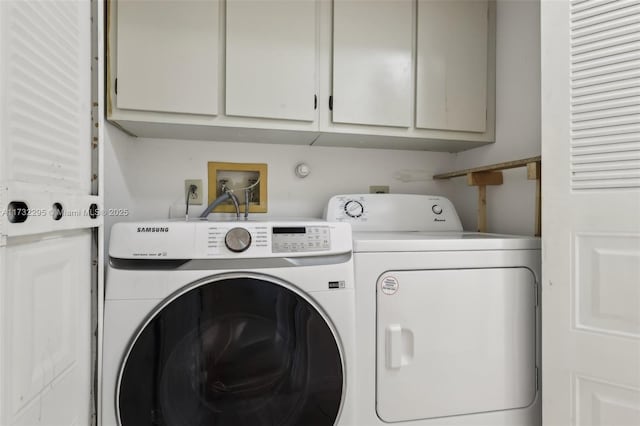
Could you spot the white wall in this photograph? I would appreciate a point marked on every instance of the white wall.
(147, 175)
(511, 205)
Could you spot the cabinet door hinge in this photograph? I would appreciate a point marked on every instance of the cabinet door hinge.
(315, 101)
(331, 103)
(116, 86)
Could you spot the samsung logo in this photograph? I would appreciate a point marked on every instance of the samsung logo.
(152, 229)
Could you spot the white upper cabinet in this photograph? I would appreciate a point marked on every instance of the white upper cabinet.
(167, 56)
(372, 62)
(404, 74)
(452, 50)
(271, 59)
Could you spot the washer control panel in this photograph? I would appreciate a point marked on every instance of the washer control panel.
(285, 239)
(203, 239)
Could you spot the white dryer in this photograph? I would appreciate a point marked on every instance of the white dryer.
(447, 321)
(229, 323)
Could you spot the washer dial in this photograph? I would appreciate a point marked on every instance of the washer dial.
(436, 209)
(353, 208)
(237, 240)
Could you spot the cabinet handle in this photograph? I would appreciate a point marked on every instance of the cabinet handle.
(331, 103)
(315, 101)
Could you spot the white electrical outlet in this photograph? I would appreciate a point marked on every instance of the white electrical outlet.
(379, 189)
(195, 197)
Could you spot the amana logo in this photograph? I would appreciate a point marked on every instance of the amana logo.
(152, 229)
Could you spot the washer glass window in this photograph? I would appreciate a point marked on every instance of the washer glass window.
(233, 352)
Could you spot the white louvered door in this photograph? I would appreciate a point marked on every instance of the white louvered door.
(48, 175)
(591, 212)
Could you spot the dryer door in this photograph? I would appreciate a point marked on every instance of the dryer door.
(234, 351)
(453, 342)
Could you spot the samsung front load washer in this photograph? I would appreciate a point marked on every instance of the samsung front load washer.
(450, 318)
(229, 323)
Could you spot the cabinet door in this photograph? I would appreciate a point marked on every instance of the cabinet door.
(167, 56)
(271, 59)
(372, 62)
(451, 92)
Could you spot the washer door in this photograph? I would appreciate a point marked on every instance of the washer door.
(234, 351)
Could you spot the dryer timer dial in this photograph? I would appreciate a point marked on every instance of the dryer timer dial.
(353, 208)
(237, 240)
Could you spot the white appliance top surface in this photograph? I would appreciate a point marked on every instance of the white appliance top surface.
(368, 241)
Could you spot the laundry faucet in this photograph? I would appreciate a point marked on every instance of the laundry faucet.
(247, 197)
(227, 195)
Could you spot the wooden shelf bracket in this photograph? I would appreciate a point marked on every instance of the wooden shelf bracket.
(492, 175)
(481, 180)
(533, 173)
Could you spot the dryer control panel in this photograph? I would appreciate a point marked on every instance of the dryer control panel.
(394, 212)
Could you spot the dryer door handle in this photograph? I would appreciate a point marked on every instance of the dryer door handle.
(399, 346)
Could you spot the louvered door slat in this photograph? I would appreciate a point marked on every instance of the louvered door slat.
(605, 95)
(47, 109)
